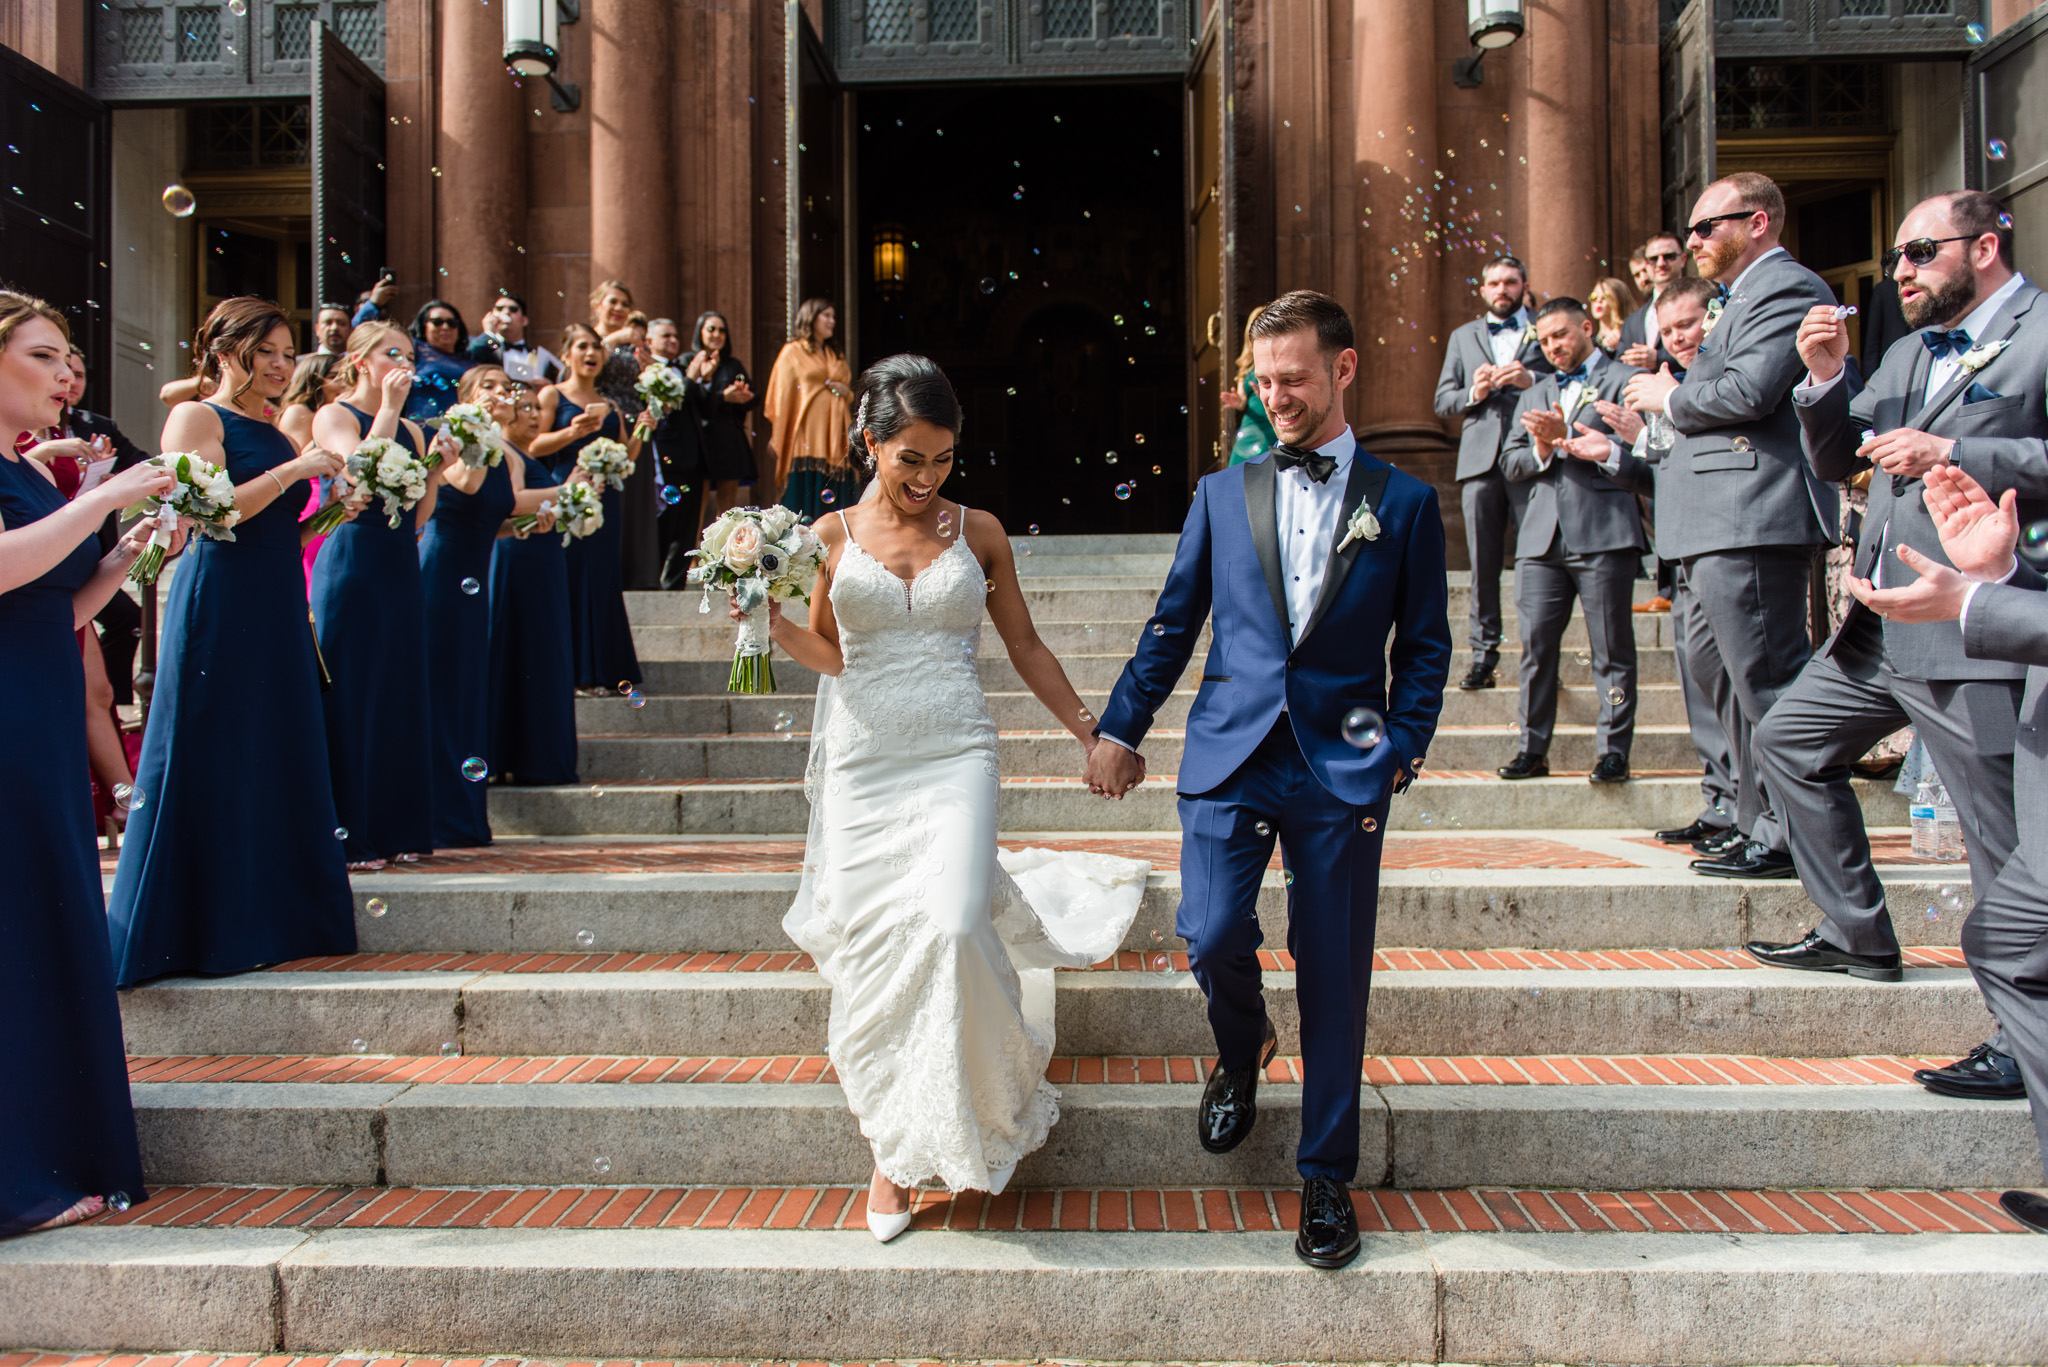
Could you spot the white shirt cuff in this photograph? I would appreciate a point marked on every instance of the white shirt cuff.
(1612, 465)
(1813, 389)
(1117, 740)
(1970, 593)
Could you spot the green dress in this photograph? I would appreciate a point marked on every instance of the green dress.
(1254, 430)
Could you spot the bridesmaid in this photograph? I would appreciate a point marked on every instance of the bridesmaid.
(70, 1143)
(572, 414)
(231, 860)
(808, 415)
(455, 561)
(372, 625)
(533, 687)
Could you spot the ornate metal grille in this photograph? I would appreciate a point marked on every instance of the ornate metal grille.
(1929, 7)
(898, 40)
(232, 137)
(142, 35)
(888, 21)
(1134, 19)
(293, 32)
(361, 30)
(1836, 30)
(198, 34)
(955, 21)
(1069, 19)
(1848, 95)
(1864, 9)
(157, 50)
(1760, 95)
(1758, 9)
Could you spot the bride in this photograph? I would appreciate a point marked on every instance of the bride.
(916, 921)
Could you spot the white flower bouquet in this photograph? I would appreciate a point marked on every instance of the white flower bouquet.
(526, 522)
(663, 391)
(388, 471)
(606, 460)
(204, 492)
(758, 555)
(579, 510)
(483, 440)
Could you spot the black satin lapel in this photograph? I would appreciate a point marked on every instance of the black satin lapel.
(1258, 507)
(1366, 485)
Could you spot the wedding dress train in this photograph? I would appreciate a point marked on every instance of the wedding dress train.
(938, 948)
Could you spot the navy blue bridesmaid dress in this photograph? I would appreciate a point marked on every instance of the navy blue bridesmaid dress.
(373, 637)
(231, 860)
(600, 636)
(533, 688)
(63, 1072)
(455, 560)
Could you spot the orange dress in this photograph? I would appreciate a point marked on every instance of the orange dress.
(808, 420)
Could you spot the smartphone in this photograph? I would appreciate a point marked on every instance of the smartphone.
(386, 273)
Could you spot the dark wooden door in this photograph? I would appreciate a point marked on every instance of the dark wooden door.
(56, 212)
(348, 171)
(1213, 320)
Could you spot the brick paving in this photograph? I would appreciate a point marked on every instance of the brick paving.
(1233, 1210)
(1555, 1070)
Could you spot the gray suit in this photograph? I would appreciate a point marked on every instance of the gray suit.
(1739, 506)
(1492, 508)
(1875, 676)
(1581, 538)
(2005, 940)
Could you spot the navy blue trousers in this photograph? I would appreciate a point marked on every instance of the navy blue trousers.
(1332, 849)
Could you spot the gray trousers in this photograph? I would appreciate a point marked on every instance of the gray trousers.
(1493, 512)
(1709, 703)
(1753, 602)
(1841, 706)
(2005, 942)
(1545, 588)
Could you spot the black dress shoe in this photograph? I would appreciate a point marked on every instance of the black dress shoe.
(1817, 955)
(2029, 1209)
(1525, 765)
(1612, 768)
(1714, 845)
(1753, 859)
(1329, 1224)
(1690, 835)
(1477, 677)
(1986, 1075)
(1230, 1103)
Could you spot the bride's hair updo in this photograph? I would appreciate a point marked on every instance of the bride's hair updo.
(895, 392)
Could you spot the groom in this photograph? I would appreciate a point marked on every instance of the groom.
(1307, 560)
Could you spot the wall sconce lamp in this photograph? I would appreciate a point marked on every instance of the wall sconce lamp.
(891, 259)
(533, 45)
(1490, 24)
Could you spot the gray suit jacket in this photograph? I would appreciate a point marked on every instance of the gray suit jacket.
(1486, 422)
(2009, 622)
(1591, 509)
(1998, 417)
(1641, 327)
(1736, 477)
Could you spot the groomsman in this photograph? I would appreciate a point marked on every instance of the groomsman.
(1487, 365)
(679, 455)
(1737, 504)
(503, 343)
(1969, 390)
(2004, 616)
(1581, 538)
(1664, 262)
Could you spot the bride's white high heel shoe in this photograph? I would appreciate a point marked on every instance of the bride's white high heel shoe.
(887, 1227)
(999, 1178)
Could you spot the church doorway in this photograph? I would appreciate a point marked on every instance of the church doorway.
(1031, 240)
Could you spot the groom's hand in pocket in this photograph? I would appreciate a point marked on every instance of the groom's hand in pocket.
(1112, 770)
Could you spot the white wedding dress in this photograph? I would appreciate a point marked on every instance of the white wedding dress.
(939, 949)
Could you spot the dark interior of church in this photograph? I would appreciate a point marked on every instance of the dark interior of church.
(1041, 253)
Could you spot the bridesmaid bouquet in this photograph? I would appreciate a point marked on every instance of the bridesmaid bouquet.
(579, 510)
(384, 468)
(204, 492)
(483, 441)
(606, 460)
(662, 390)
(526, 522)
(757, 554)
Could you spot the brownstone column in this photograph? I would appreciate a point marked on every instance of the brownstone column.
(480, 194)
(631, 149)
(1563, 115)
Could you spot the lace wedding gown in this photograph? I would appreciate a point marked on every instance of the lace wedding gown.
(938, 948)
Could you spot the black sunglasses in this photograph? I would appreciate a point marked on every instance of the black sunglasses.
(440, 322)
(1704, 229)
(1921, 250)
(1664, 256)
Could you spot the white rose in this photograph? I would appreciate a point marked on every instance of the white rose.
(777, 520)
(742, 548)
(714, 539)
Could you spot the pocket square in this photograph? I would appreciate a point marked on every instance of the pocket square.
(1977, 393)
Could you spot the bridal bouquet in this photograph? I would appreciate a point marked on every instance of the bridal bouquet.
(579, 510)
(526, 522)
(606, 460)
(758, 554)
(662, 390)
(204, 492)
(381, 467)
(483, 440)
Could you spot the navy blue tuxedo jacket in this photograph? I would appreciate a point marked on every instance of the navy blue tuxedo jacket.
(1227, 568)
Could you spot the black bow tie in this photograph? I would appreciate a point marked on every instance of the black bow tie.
(1499, 325)
(1944, 344)
(1314, 464)
(1571, 377)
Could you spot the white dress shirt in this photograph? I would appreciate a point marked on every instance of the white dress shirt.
(1612, 465)
(1507, 343)
(529, 364)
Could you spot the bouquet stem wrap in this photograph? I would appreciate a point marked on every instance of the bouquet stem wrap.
(753, 668)
(150, 563)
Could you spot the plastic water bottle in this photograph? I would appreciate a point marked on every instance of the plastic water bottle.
(1948, 828)
(1926, 844)
(1662, 434)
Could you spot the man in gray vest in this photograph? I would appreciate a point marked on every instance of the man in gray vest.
(1969, 390)
(1737, 504)
(1487, 365)
(2004, 616)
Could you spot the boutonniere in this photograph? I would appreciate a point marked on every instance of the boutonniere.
(1714, 311)
(1576, 396)
(1529, 335)
(1362, 527)
(1981, 355)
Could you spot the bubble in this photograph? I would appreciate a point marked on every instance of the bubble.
(1370, 823)
(1086, 715)
(1951, 897)
(1974, 33)
(122, 791)
(602, 1164)
(671, 495)
(988, 284)
(625, 687)
(1740, 444)
(1582, 657)
(596, 791)
(1109, 458)
(1934, 913)
(1162, 962)
(450, 1049)
(471, 587)
(2005, 222)
(238, 8)
(376, 906)
(1123, 493)
(359, 1046)
(1436, 875)
(475, 770)
(118, 1202)
(585, 939)
(1617, 695)
(1493, 901)
(828, 498)
(1033, 529)
(1364, 728)
(1287, 878)
(179, 201)
(1158, 630)
(341, 832)
(1262, 828)
(785, 722)
(2033, 545)
(1535, 991)
(1012, 391)
(636, 699)
(1996, 149)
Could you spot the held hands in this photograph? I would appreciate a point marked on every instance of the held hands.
(1904, 451)
(1112, 771)
(1625, 423)
(1482, 382)
(1823, 342)
(1647, 393)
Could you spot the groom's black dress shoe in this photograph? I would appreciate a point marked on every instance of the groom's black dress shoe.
(1686, 835)
(1986, 1075)
(1726, 841)
(1230, 1103)
(1477, 677)
(1817, 955)
(1329, 1224)
(1753, 859)
(1525, 765)
(1612, 768)
(2029, 1209)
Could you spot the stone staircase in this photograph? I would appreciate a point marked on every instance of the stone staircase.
(568, 1098)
